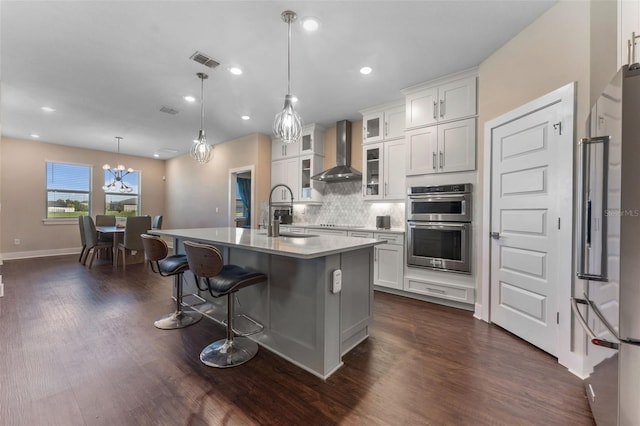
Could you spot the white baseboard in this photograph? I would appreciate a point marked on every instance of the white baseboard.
(477, 313)
(40, 253)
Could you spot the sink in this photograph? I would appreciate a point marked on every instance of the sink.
(291, 235)
(296, 235)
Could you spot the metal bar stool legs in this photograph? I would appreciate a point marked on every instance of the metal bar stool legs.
(232, 350)
(179, 318)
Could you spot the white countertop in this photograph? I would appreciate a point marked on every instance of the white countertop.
(257, 240)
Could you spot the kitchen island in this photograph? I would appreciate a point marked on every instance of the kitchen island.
(307, 319)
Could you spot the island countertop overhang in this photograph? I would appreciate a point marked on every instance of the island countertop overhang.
(309, 247)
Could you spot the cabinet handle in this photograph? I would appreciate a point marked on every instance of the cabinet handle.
(386, 128)
(441, 108)
(433, 160)
(435, 110)
(363, 191)
(386, 189)
(441, 159)
(364, 132)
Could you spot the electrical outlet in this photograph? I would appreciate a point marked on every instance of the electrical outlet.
(337, 281)
(16, 241)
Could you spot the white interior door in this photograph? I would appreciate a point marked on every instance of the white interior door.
(524, 255)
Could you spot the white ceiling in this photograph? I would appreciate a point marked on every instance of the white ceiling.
(107, 67)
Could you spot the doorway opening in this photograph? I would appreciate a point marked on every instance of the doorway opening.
(241, 197)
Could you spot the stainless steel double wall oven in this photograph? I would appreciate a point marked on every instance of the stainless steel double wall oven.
(439, 227)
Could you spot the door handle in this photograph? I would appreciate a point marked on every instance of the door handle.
(495, 235)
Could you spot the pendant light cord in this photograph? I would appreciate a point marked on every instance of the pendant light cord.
(202, 102)
(289, 57)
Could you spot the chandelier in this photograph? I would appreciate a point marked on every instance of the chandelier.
(288, 125)
(201, 150)
(117, 174)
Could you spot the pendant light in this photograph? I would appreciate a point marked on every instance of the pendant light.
(287, 125)
(117, 173)
(201, 150)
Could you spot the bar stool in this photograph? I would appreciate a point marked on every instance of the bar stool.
(206, 263)
(155, 251)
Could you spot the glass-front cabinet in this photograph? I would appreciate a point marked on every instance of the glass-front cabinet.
(372, 173)
(373, 127)
(310, 165)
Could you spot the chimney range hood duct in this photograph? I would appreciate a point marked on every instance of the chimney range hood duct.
(342, 172)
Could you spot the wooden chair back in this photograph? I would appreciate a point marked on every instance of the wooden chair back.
(205, 261)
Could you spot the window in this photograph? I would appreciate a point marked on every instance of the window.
(119, 203)
(68, 190)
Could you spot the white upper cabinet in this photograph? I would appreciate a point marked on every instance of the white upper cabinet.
(312, 140)
(280, 150)
(383, 171)
(383, 122)
(448, 147)
(285, 171)
(441, 101)
(310, 165)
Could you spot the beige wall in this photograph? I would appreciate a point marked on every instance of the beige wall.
(23, 192)
(356, 146)
(195, 191)
(553, 51)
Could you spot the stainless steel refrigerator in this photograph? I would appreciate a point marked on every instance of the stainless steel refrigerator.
(609, 251)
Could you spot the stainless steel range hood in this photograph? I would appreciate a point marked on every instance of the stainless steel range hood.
(342, 172)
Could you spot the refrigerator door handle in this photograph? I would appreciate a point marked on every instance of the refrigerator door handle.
(587, 241)
(594, 339)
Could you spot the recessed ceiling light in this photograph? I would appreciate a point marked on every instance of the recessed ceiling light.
(235, 70)
(34, 135)
(365, 70)
(48, 109)
(189, 98)
(156, 155)
(310, 23)
(245, 117)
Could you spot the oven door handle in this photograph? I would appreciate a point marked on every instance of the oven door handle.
(436, 197)
(439, 225)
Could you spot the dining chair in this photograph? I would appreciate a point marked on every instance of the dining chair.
(92, 242)
(135, 226)
(83, 240)
(157, 222)
(105, 220)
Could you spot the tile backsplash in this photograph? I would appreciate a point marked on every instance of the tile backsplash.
(342, 204)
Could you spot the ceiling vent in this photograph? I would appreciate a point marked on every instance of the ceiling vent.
(205, 60)
(169, 110)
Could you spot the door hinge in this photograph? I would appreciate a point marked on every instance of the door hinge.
(557, 317)
(558, 127)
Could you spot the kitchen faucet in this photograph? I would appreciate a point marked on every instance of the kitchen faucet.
(270, 226)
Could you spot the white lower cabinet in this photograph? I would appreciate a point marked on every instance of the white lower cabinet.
(455, 293)
(388, 259)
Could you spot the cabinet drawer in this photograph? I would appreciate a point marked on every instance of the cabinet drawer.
(390, 238)
(443, 291)
(360, 234)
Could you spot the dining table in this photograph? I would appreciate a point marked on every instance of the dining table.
(116, 232)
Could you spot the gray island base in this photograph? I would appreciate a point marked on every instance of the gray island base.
(306, 319)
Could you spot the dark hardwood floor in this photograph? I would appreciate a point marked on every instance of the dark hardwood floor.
(78, 347)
